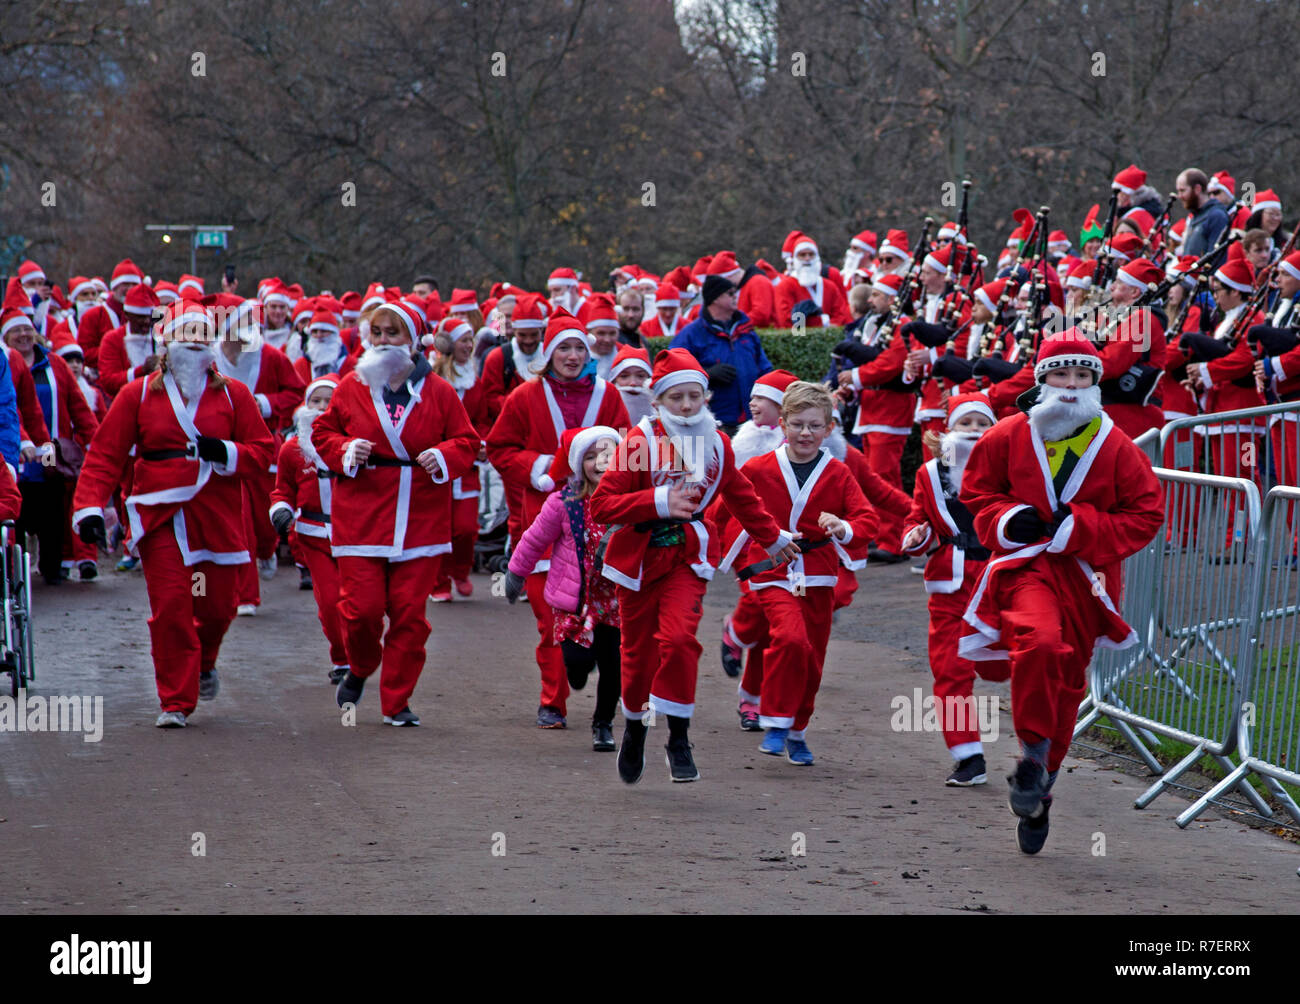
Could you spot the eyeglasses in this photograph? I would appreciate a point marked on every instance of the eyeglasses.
(799, 427)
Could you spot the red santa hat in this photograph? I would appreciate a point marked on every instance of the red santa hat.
(938, 260)
(1238, 275)
(373, 297)
(180, 313)
(188, 281)
(1222, 181)
(768, 269)
(960, 405)
(1070, 348)
(323, 320)
(79, 284)
(887, 284)
(562, 277)
(667, 295)
(1140, 272)
(574, 444)
(1058, 240)
(167, 291)
(1240, 218)
(787, 245)
(1291, 264)
(1267, 199)
(679, 277)
(1130, 179)
(674, 367)
(29, 271)
(125, 271)
(1180, 266)
(773, 385)
(277, 292)
(140, 300)
(1080, 276)
(410, 315)
(724, 264)
(865, 241)
(562, 326)
(630, 357)
(1141, 219)
(805, 243)
(989, 294)
(296, 291)
(1125, 246)
(16, 298)
(895, 244)
(599, 311)
(229, 310)
(462, 301)
(69, 348)
(647, 282)
(701, 268)
(530, 311)
(11, 318)
(330, 380)
(61, 301)
(1179, 231)
(351, 305)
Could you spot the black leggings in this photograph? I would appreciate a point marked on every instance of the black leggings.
(43, 514)
(603, 654)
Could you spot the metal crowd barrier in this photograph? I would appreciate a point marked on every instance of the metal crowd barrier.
(1262, 444)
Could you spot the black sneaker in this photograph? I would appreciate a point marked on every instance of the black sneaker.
(631, 756)
(404, 717)
(208, 684)
(602, 737)
(89, 570)
(681, 765)
(337, 673)
(349, 689)
(304, 577)
(1031, 831)
(1028, 786)
(968, 772)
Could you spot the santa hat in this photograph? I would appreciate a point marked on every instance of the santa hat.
(140, 300)
(674, 367)
(990, 293)
(1070, 348)
(574, 444)
(1240, 218)
(1179, 231)
(773, 385)
(351, 301)
(29, 271)
(180, 313)
(805, 243)
(599, 311)
(79, 284)
(1180, 266)
(70, 349)
(61, 301)
(189, 282)
(410, 315)
(938, 260)
(768, 269)
(560, 327)
(1266, 199)
(667, 295)
(1291, 264)
(895, 244)
(724, 264)
(1058, 241)
(450, 329)
(647, 282)
(12, 318)
(296, 291)
(1125, 246)
(629, 357)
(330, 380)
(680, 278)
(1024, 227)
(701, 268)
(1080, 277)
(1141, 273)
(1222, 181)
(228, 310)
(960, 405)
(1141, 219)
(323, 320)
(277, 292)
(125, 271)
(562, 277)
(865, 241)
(1238, 275)
(16, 298)
(373, 297)
(787, 245)
(530, 311)
(948, 231)
(462, 301)
(887, 284)
(167, 291)
(1129, 180)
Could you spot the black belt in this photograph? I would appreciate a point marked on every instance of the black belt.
(767, 564)
(389, 462)
(319, 517)
(191, 452)
(969, 544)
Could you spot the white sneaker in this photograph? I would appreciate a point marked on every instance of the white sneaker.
(245, 610)
(266, 567)
(171, 720)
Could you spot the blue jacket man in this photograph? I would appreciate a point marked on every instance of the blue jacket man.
(724, 342)
(9, 434)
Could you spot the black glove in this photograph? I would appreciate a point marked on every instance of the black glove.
(996, 370)
(929, 335)
(1062, 513)
(1203, 348)
(855, 352)
(1025, 527)
(281, 519)
(808, 308)
(514, 586)
(213, 450)
(721, 374)
(91, 531)
(1276, 341)
(953, 367)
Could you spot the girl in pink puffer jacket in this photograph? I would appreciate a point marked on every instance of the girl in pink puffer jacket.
(585, 602)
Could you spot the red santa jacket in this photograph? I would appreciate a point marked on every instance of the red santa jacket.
(389, 507)
(882, 408)
(834, 306)
(302, 487)
(276, 388)
(757, 301)
(99, 321)
(198, 501)
(634, 490)
(470, 392)
(1116, 507)
(883, 496)
(931, 404)
(1229, 382)
(829, 488)
(496, 388)
(11, 499)
(34, 431)
(70, 416)
(653, 328)
(302, 367)
(1138, 341)
(120, 360)
(1175, 399)
(949, 567)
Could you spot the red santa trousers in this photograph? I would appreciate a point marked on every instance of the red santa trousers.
(464, 531)
(846, 584)
(660, 653)
(800, 628)
(74, 548)
(1238, 455)
(324, 569)
(260, 539)
(747, 628)
(954, 677)
(884, 453)
(550, 660)
(191, 607)
(369, 588)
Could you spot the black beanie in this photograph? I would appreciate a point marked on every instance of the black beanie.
(715, 286)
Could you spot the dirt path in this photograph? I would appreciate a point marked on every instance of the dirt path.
(300, 814)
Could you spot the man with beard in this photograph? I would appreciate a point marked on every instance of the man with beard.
(668, 313)
(129, 351)
(277, 389)
(100, 320)
(326, 352)
(190, 437)
(562, 289)
(808, 294)
(631, 375)
(397, 436)
(601, 319)
(631, 310)
(1061, 498)
(1207, 218)
(85, 295)
(860, 255)
(662, 479)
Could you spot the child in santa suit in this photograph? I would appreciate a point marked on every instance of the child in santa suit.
(521, 446)
(75, 550)
(395, 434)
(1061, 497)
(300, 505)
(663, 478)
(631, 375)
(584, 601)
(455, 364)
(191, 438)
(805, 489)
(939, 524)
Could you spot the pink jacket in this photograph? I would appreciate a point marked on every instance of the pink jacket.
(551, 527)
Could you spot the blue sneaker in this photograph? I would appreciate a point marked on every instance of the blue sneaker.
(127, 563)
(797, 752)
(773, 743)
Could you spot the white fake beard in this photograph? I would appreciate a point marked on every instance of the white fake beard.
(637, 402)
(324, 352)
(363, 332)
(693, 437)
(954, 451)
(302, 421)
(835, 443)
(251, 339)
(852, 258)
(808, 272)
(1054, 418)
(754, 440)
(137, 348)
(276, 337)
(380, 363)
(83, 306)
(190, 364)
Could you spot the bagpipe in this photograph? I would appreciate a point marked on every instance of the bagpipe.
(908, 290)
(991, 363)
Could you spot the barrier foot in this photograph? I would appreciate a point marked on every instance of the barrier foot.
(1153, 765)
(1085, 723)
(1197, 807)
(1247, 789)
(1172, 775)
(1282, 796)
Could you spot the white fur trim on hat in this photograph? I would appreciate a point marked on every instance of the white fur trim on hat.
(1232, 283)
(322, 326)
(983, 298)
(320, 382)
(1065, 360)
(15, 322)
(1266, 204)
(1124, 277)
(805, 242)
(862, 245)
(676, 378)
(576, 334)
(627, 364)
(771, 393)
(145, 311)
(1290, 269)
(966, 407)
(884, 287)
(129, 279)
(584, 441)
(407, 323)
